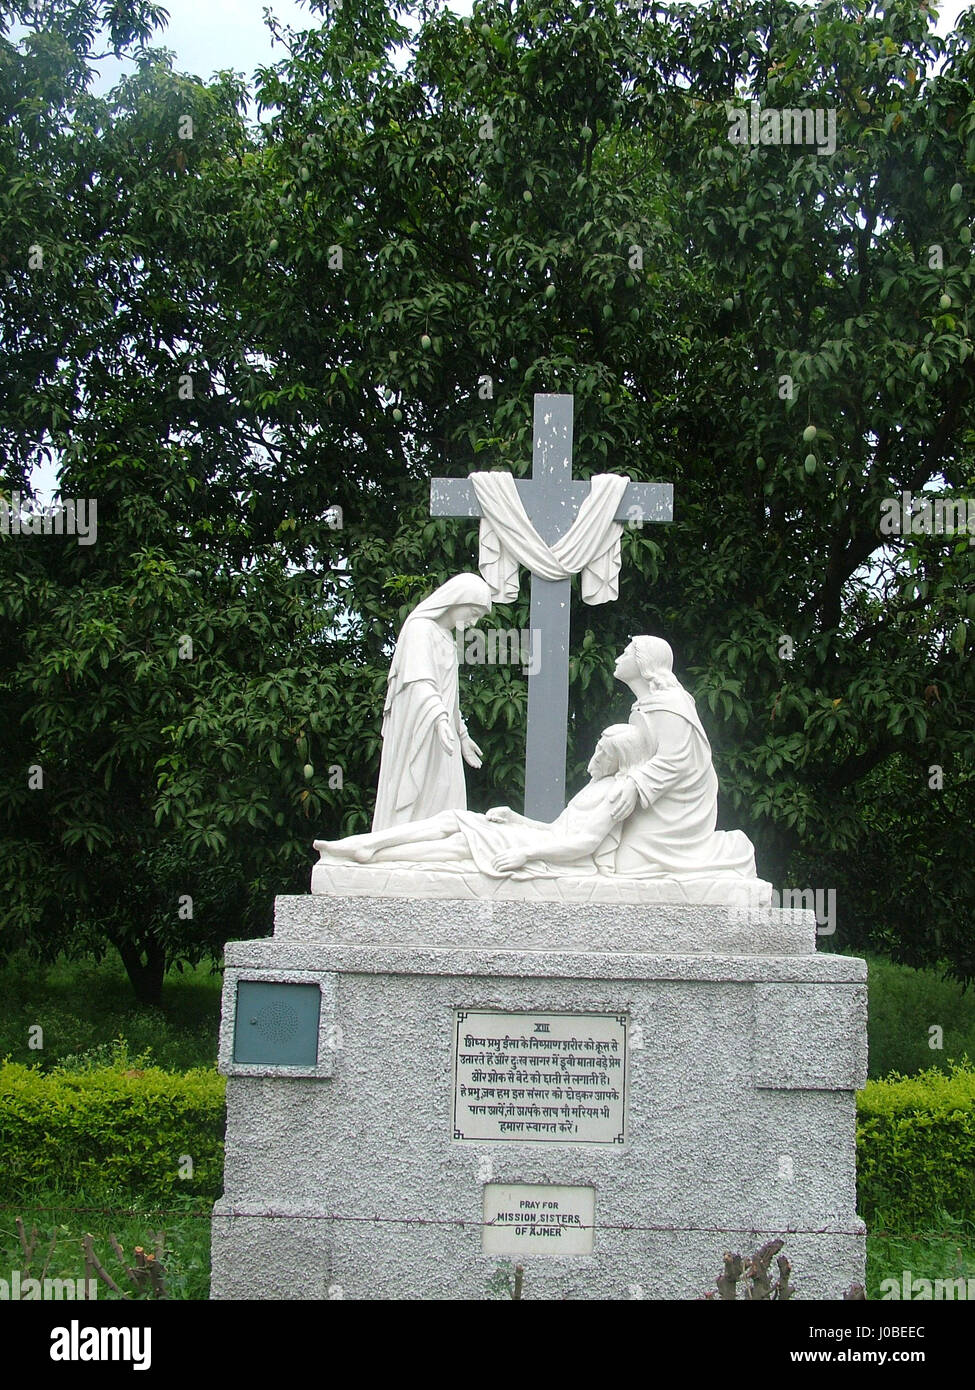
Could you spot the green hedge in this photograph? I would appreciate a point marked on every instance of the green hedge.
(111, 1131)
(916, 1149)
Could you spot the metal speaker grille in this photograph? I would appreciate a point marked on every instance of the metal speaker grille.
(277, 1022)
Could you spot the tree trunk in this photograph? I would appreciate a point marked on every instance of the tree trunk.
(774, 848)
(145, 966)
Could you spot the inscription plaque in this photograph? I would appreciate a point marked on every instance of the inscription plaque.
(540, 1077)
(532, 1219)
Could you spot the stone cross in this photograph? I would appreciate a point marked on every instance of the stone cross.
(552, 500)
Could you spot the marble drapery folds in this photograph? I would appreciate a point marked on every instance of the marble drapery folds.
(418, 777)
(590, 545)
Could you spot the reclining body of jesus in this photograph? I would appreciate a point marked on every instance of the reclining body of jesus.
(501, 842)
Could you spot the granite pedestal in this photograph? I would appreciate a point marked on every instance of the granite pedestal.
(424, 1092)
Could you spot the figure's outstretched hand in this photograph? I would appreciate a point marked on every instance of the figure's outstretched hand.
(623, 799)
(471, 753)
(509, 861)
(501, 815)
(445, 736)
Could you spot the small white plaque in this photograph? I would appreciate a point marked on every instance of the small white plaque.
(540, 1078)
(531, 1219)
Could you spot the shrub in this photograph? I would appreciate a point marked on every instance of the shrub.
(111, 1129)
(904, 1003)
(916, 1148)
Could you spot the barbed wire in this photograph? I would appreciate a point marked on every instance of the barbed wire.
(463, 1222)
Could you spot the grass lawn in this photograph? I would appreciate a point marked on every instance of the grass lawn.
(57, 1252)
(951, 1255)
(83, 1007)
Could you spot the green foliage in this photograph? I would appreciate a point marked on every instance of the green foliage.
(916, 1149)
(215, 258)
(121, 1130)
(85, 1009)
(501, 1284)
(904, 1006)
(171, 679)
(618, 126)
(908, 888)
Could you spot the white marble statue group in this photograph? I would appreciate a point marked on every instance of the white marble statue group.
(648, 811)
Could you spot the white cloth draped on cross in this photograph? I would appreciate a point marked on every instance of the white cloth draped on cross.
(508, 538)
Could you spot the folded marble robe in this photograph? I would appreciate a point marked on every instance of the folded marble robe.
(671, 830)
(590, 545)
(585, 822)
(585, 828)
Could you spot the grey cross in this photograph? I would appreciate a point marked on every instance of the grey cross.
(552, 500)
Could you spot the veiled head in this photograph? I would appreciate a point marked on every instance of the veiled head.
(461, 600)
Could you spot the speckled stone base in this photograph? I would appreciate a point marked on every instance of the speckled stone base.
(745, 1049)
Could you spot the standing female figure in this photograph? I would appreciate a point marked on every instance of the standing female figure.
(425, 740)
